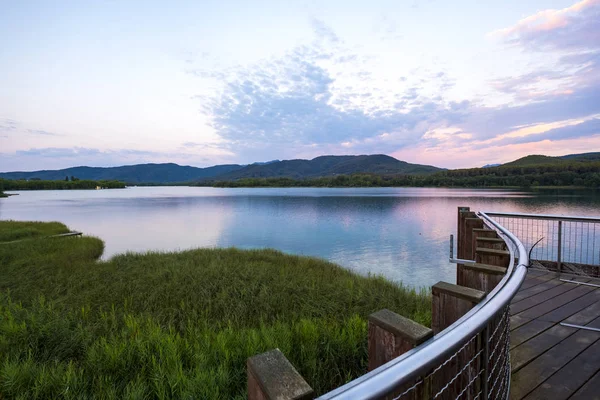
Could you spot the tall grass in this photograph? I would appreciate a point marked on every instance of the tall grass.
(177, 325)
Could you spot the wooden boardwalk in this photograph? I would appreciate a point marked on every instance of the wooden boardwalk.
(549, 360)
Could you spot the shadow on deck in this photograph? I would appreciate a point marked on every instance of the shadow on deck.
(549, 360)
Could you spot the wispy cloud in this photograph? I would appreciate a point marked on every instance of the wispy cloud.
(12, 126)
(42, 132)
(572, 28)
(305, 100)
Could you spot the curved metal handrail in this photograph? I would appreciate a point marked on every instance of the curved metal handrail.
(420, 360)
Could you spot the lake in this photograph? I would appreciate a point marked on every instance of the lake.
(401, 233)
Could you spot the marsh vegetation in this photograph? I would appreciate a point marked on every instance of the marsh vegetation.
(175, 325)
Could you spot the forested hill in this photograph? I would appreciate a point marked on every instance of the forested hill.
(566, 172)
(173, 173)
(533, 170)
(537, 159)
(132, 174)
(330, 166)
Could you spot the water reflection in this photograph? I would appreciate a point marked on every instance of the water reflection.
(401, 233)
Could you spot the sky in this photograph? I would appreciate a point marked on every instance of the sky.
(453, 84)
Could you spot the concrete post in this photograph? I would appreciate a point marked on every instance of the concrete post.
(272, 377)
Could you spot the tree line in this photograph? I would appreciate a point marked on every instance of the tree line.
(565, 174)
(37, 184)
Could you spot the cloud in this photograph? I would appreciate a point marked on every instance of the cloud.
(63, 157)
(42, 132)
(573, 28)
(568, 42)
(12, 126)
(316, 98)
(322, 31)
(8, 125)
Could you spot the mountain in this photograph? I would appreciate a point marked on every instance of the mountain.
(173, 173)
(329, 166)
(132, 174)
(491, 165)
(584, 157)
(534, 159)
(537, 159)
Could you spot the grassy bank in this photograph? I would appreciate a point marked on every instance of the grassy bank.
(175, 325)
(36, 184)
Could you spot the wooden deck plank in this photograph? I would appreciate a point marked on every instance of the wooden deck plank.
(541, 297)
(585, 316)
(533, 290)
(536, 280)
(531, 272)
(569, 379)
(541, 368)
(589, 391)
(548, 360)
(539, 288)
(524, 353)
(527, 331)
(557, 301)
(571, 308)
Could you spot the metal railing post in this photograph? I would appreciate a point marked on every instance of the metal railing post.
(486, 362)
(559, 255)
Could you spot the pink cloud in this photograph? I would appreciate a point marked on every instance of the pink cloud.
(546, 20)
(468, 157)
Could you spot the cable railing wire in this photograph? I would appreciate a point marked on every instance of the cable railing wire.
(453, 363)
(561, 243)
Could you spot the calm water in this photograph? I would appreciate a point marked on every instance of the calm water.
(401, 233)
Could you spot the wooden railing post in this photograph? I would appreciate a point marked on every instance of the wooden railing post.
(391, 335)
(272, 377)
(481, 277)
(500, 258)
(451, 302)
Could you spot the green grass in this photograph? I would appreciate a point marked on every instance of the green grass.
(16, 230)
(176, 325)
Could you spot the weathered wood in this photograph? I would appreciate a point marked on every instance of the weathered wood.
(530, 282)
(556, 302)
(450, 302)
(489, 243)
(525, 293)
(500, 258)
(470, 224)
(460, 230)
(481, 276)
(485, 232)
(538, 345)
(560, 313)
(544, 366)
(271, 376)
(567, 380)
(535, 300)
(589, 391)
(528, 330)
(391, 335)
